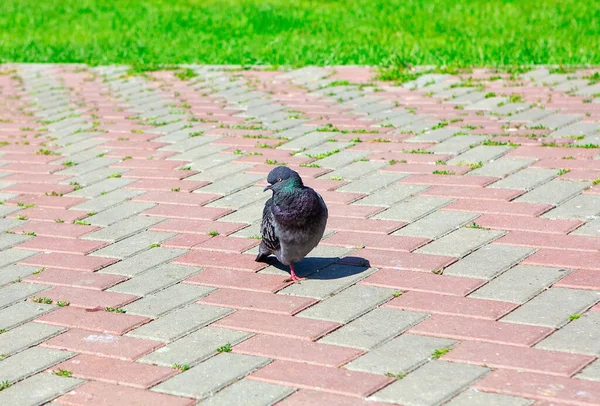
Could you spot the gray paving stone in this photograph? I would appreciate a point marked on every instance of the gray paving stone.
(400, 355)
(591, 372)
(519, 284)
(21, 312)
(118, 213)
(432, 384)
(95, 176)
(8, 240)
(413, 209)
(241, 198)
(502, 167)
(509, 109)
(355, 170)
(461, 242)
(554, 192)
(250, 393)
(212, 375)
(374, 328)
(108, 200)
(526, 179)
(326, 148)
(195, 347)
(29, 362)
(529, 116)
(581, 336)
(348, 304)
(468, 98)
(591, 229)
(248, 214)
(155, 279)
(342, 159)
(328, 281)
(556, 121)
(577, 130)
(38, 390)
(479, 154)
(487, 104)
(372, 182)
(219, 171)
(553, 307)
(190, 144)
(180, 322)
(437, 136)
(25, 336)
(391, 195)
(143, 261)
(89, 166)
(472, 397)
(133, 245)
(5, 210)
(231, 184)
(308, 141)
(437, 224)
(19, 291)
(489, 261)
(457, 145)
(198, 153)
(252, 231)
(12, 273)
(165, 300)
(123, 228)
(582, 207)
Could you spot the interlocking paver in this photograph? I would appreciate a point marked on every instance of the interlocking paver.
(38, 390)
(29, 362)
(581, 336)
(475, 398)
(163, 301)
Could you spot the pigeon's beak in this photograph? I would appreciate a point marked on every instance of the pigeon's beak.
(268, 187)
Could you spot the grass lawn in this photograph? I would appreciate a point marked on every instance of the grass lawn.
(459, 33)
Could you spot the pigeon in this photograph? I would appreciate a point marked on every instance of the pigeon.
(294, 219)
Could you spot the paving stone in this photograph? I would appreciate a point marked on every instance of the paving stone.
(526, 179)
(391, 195)
(520, 283)
(107, 201)
(96, 189)
(155, 279)
(118, 213)
(341, 159)
(438, 135)
(372, 182)
(230, 185)
(479, 154)
(413, 209)
(437, 224)
(489, 261)
(582, 207)
(591, 228)
(13, 255)
(432, 384)
(22, 312)
(591, 372)
(216, 172)
(355, 170)
(142, 262)
(457, 145)
(241, 198)
(461, 242)
(400, 355)
(165, 300)
(308, 141)
(11, 273)
(577, 129)
(38, 390)
(18, 291)
(180, 322)
(581, 336)
(29, 362)
(248, 392)
(248, 214)
(132, 245)
(553, 307)
(25, 336)
(123, 228)
(373, 328)
(8, 224)
(475, 398)
(554, 192)
(211, 375)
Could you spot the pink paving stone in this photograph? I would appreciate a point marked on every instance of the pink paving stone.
(158, 174)
(331, 380)
(580, 279)
(425, 168)
(258, 301)
(375, 241)
(352, 211)
(595, 308)
(62, 245)
(449, 180)
(304, 397)
(341, 197)
(228, 244)
(472, 193)
(93, 320)
(410, 158)
(78, 279)
(277, 325)
(186, 212)
(389, 146)
(465, 328)
(104, 394)
(594, 190)
(198, 226)
(114, 371)
(297, 350)
(139, 154)
(88, 299)
(31, 168)
(398, 260)
(186, 241)
(50, 214)
(422, 282)
(553, 241)
(552, 152)
(38, 188)
(68, 261)
(584, 164)
(149, 164)
(582, 174)
(365, 225)
(518, 358)
(144, 145)
(202, 258)
(451, 305)
(570, 391)
(167, 185)
(25, 178)
(565, 258)
(55, 202)
(498, 207)
(246, 142)
(226, 278)
(181, 198)
(60, 230)
(521, 223)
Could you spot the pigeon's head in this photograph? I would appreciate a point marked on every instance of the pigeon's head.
(283, 177)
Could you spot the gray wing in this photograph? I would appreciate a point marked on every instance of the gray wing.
(267, 228)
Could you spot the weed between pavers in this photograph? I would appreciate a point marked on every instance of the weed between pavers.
(63, 372)
(224, 348)
(180, 367)
(439, 352)
(113, 310)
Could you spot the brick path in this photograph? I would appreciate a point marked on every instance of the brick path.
(461, 262)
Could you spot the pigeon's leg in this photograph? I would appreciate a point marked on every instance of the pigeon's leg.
(293, 277)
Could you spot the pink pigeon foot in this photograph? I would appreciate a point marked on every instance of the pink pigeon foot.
(293, 277)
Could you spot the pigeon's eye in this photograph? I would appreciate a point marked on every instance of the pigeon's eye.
(279, 180)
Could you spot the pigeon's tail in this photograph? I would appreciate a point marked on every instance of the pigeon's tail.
(262, 257)
(263, 253)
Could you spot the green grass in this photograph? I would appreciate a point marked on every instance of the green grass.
(280, 32)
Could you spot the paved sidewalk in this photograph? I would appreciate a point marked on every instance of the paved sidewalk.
(461, 264)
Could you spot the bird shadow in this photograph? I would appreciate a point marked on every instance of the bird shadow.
(325, 268)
